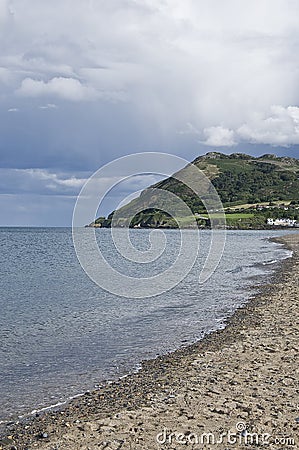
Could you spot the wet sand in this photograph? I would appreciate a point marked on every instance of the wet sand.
(238, 388)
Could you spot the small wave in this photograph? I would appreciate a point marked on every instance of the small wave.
(286, 255)
(289, 254)
(268, 263)
(181, 306)
(236, 270)
(52, 406)
(76, 396)
(46, 408)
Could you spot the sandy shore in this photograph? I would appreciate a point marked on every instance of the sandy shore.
(236, 389)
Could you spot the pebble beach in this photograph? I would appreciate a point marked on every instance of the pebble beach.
(237, 388)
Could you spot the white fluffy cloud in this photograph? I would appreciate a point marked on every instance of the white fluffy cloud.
(48, 106)
(219, 137)
(67, 88)
(39, 180)
(279, 127)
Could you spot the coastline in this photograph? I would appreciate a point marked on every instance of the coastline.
(190, 390)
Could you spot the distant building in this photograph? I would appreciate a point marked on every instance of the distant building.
(282, 222)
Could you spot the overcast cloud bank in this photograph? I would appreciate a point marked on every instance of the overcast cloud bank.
(82, 82)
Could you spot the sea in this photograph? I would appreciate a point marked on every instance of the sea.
(61, 334)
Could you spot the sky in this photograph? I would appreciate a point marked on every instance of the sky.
(83, 82)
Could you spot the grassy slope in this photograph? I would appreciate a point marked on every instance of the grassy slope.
(239, 180)
(249, 180)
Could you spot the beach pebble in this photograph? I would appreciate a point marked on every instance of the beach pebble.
(43, 435)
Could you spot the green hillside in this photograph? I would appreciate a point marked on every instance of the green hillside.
(240, 178)
(250, 186)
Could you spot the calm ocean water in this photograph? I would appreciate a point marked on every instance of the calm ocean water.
(61, 334)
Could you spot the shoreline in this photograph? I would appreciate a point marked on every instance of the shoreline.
(232, 228)
(138, 394)
(250, 286)
(99, 383)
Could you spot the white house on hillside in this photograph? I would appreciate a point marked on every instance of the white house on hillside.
(281, 222)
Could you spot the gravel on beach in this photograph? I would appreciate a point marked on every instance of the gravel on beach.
(238, 388)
